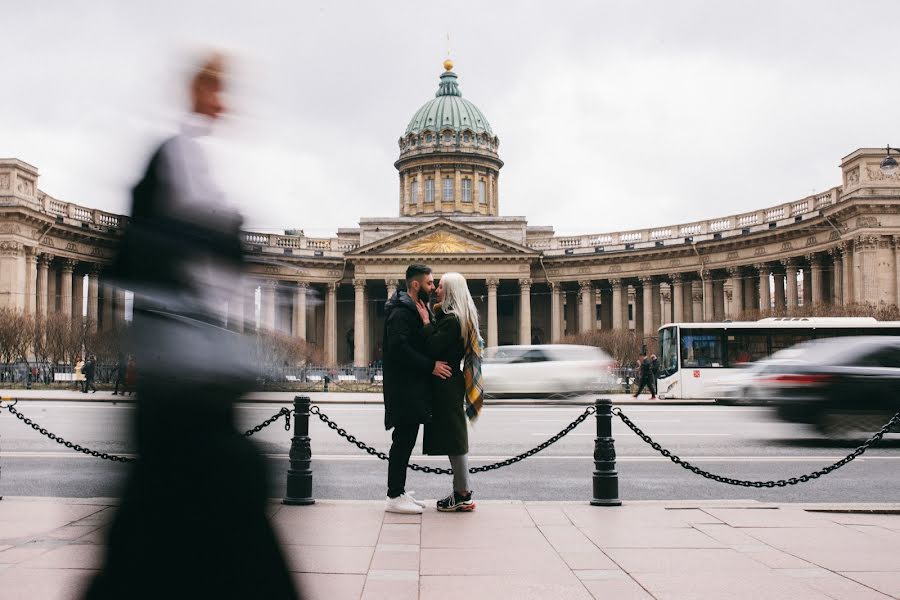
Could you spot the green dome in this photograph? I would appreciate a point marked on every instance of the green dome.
(448, 110)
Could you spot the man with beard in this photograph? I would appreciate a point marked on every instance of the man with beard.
(407, 370)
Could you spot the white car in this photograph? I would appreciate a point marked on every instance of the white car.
(544, 370)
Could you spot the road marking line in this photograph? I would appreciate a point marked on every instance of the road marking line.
(659, 434)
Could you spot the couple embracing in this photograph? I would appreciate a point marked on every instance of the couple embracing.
(432, 377)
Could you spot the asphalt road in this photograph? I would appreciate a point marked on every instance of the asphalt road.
(740, 442)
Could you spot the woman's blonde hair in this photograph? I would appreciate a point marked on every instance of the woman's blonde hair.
(458, 301)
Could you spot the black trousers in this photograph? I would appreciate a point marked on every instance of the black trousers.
(647, 382)
(404, 440)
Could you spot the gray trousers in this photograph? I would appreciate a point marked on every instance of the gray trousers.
(460, 465)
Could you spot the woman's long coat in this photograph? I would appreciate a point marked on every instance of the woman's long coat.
(447, 433)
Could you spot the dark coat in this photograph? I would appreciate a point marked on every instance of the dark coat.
(448, 433)
(90, 370)
(407, 366)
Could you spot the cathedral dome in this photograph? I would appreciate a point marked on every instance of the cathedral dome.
(449, 110)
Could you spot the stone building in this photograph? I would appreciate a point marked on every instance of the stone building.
(531, 286)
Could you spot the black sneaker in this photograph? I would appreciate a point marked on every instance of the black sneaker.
(456, 503)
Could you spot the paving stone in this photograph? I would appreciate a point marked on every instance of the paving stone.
(399, 518)
(18, 583)
(834, 585)
(467, 535)
(887, 582)
(400, 534)
(547, 515)
(586, 559)
(73, 556)
(769, 517)
(645, 537)
(388, 559)
(328, 559)
(500, 587)
(605, 585)
(17, 554)
(672, 561)
(381, 589)
(837, 548)
(479, 561)
(888, 521)
(725, 586)
(322, 586)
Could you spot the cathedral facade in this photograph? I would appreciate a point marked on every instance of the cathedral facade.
(838, 247)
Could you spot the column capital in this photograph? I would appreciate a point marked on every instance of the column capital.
(44, 259)
(866, 242)
(492, 283)
(836, 253)
(302, 285)
(895, 241)
(585, 285)
(615, 282)
(68, 264)
(268, 283)
(646, 280)
(390, 283)
(94, 270)
(359, 284)
(332, 286)
(790, 263)
(762, 267)
(733, 271)
(815, 261)
(676, 278)
(525, 282)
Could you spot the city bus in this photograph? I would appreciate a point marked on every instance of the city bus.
(696, 360)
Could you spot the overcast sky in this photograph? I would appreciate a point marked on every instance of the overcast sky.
(611, 115)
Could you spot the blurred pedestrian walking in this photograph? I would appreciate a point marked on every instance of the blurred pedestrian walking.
(647, 380)
(192, 522)
(90, 372)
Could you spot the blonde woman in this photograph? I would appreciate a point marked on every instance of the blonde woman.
(453, 338)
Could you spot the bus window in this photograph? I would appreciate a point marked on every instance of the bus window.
(780, 341)
(746, 346)
(668, 351)
(700, 348)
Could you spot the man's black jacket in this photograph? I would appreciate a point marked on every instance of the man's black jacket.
(407, 367)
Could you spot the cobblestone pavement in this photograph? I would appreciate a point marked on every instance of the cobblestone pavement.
(664, 550)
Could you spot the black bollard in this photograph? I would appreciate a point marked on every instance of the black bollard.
(606, 478)
(299, 475)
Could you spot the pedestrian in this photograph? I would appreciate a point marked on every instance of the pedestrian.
(90, 372)
(453, 338)
(654, 369)
(121, 368)
(78, 375)
(130, 376)
(192, 522)
(408, 373)
(646, 375)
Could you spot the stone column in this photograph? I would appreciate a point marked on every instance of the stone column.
(586, 319)
(837, 290)
(360, 358)
(43, 283)
(647, 301)
(780, 297)
(677, 298)
(790, 274)
(847, 281)
(895, 242)
(331, 323)
(391, 287)
(697, 300)
(709, 300)
(77, 295)
(236, 304)
(298, 320)
(736, 306)
(765, 302)
(31, 259)
(65, 286)
(107, 310)
(93, 303)
(619, 313)
(524, 311)
(267, 306)
(815, 280)
(555, 313)
(120, 307)
(665, 300)
(492, 330)
(807, 286)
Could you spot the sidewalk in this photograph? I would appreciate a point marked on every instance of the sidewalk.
(346, 398)
(511, 550)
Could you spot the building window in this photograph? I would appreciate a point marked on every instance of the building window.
(467, 138)
(427, 138)
(447, 138)
(467, 190)
(414, 192)
(429, 190)
(448, 189)
(482, 192)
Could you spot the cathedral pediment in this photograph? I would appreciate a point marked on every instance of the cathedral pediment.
(442, 237)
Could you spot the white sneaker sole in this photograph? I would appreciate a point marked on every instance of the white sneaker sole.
(405, 511)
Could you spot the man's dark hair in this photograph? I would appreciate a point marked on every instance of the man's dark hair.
(416, 271)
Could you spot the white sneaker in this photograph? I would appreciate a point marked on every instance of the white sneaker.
(410, 496)
(402, 504)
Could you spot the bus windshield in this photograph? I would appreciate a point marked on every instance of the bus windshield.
(668, 351)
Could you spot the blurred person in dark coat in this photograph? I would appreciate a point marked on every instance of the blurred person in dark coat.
(192, 522)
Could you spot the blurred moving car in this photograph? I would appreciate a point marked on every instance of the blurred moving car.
(838, 385)
(742, 388)
(544, 370)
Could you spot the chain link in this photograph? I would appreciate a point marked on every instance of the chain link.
(284, 412)
(440, 470)
(895, 420)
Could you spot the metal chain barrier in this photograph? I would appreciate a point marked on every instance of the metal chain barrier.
(895, 420)
(314, 409)
(284, 412)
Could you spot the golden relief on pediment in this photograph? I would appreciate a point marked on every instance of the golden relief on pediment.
(440, 242)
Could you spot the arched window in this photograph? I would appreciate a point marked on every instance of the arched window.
(427, 138)
(467, 190)
(414, 192)
(467, 138)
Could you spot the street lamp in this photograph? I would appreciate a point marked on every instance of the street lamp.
(888, 164)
